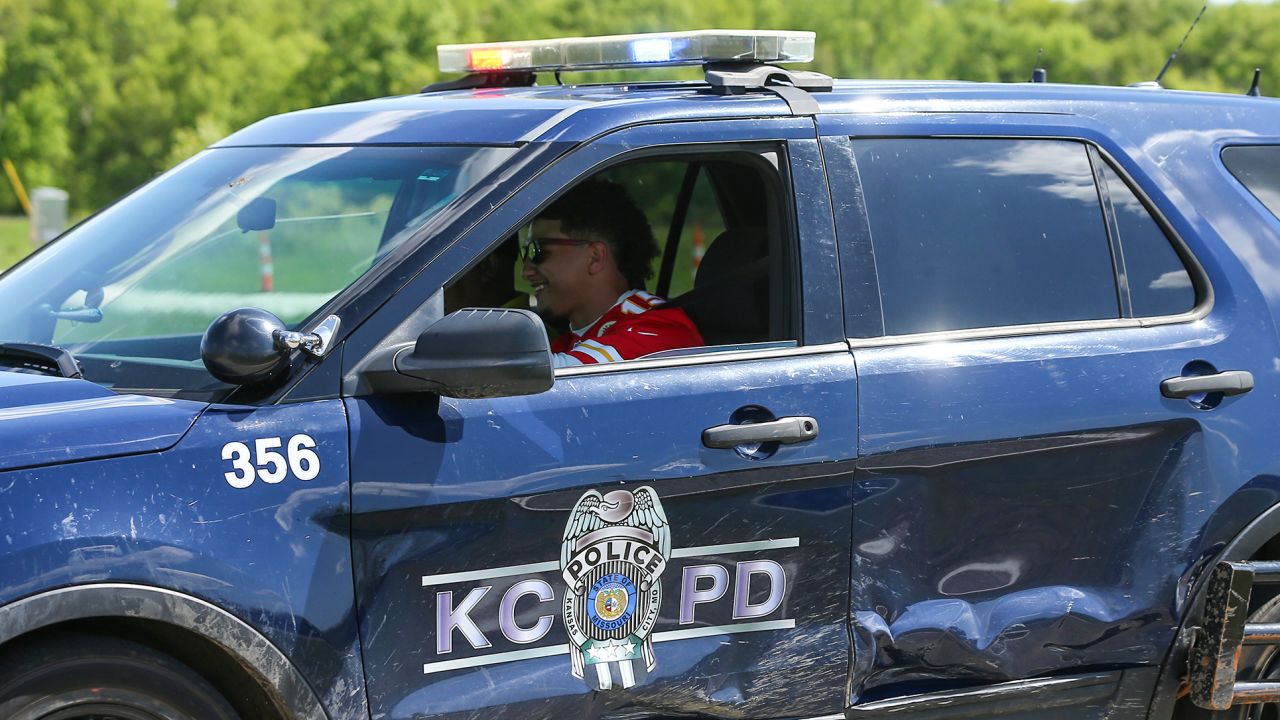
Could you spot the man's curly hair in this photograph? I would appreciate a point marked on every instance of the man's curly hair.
(603, 211)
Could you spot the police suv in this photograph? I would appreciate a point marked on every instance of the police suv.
(984, 423)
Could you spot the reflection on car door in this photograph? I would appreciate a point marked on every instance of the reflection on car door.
(1027, 497)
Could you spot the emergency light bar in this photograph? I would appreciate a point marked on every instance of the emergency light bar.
(629, 51)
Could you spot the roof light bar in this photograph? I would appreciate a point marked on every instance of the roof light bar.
(629, 51)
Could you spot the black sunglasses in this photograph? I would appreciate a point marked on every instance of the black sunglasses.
(533, 250)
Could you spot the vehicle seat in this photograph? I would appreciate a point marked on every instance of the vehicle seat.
(729, 301)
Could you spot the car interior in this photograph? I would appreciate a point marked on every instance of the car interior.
(727, 250)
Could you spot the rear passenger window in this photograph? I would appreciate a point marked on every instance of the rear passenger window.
(972, 233)
(1257, 167)
(1159, 283)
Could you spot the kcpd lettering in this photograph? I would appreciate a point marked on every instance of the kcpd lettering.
(701, 585)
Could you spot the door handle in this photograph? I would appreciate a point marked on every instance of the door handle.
(787, 430)
(1233, 382)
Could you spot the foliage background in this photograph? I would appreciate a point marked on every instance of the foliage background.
(98, 96)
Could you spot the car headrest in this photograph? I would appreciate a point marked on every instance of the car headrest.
(730, 298)
(729, 254)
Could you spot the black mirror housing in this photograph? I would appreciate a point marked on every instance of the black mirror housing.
(481, 353)
(240, 348)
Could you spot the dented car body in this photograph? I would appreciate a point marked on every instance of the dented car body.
(1028, 336)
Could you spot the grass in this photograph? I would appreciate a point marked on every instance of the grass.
(14, 243)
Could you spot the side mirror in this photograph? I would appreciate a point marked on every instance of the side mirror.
(252, 347)
(470, 354)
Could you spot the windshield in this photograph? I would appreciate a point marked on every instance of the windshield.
(130, 292)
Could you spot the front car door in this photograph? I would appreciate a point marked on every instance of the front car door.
(719, 583)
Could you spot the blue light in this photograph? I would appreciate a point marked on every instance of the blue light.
(651, 50)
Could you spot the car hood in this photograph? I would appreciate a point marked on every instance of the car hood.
(46, 420)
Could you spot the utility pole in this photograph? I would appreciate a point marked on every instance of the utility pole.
(18, 190)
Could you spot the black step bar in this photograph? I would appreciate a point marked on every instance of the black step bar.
(1215, 654)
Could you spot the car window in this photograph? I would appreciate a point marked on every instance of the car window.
(712, 261)
(324, 235)
(1159, 283)
(972, 233)
(131, 291)
(1257, 167)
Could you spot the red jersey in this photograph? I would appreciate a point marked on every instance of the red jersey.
(632, 328)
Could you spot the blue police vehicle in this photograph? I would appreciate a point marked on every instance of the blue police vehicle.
(985, 423)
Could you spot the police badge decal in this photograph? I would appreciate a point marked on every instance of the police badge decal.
(615, 548)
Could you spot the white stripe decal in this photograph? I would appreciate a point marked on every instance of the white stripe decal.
(531, 568)
(689, 634)
(723, 630)
(729, 548)
(494, 659)
(497, 572)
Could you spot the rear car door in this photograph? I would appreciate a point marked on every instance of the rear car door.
(725, 595)
(1030, 486)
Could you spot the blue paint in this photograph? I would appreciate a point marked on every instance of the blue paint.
(47, 420)
(974, 510)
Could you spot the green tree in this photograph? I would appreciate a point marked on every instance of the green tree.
(98, 96)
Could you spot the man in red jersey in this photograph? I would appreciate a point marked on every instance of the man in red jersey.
(589, 253)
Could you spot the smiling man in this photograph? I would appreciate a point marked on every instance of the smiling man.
(589, 254)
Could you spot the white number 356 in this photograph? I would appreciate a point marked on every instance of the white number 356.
(270, 464)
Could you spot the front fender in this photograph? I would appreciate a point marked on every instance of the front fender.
(244, 643)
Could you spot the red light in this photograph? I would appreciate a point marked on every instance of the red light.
(486, 59)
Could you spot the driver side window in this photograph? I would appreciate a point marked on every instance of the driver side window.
(722, 255)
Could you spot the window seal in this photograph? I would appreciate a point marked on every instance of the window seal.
(1007, 331)
(1124, 295)
(708, 358)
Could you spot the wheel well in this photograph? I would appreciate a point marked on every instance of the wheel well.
(1259, 540)
(240, 685)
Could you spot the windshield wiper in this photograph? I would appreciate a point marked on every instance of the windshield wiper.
(44, 359)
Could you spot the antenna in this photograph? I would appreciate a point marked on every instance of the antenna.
(1254, 91)
(1169, 63)
(1038, 74)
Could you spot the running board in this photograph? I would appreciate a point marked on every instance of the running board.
(1215, 654)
